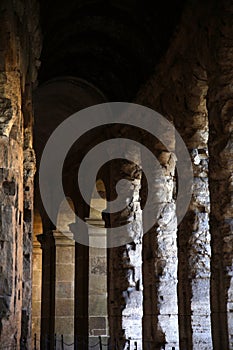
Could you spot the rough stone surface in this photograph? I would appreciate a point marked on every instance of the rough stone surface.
(173, 288)
(19, 53)
(64, 288)
(125, 262)
(178, 91)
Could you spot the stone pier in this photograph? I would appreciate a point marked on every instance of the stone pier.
(98, 312)
(36, 290)
(64, 288)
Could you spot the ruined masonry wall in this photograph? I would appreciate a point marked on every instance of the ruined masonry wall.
(20, 49)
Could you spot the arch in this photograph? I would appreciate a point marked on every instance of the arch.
(98, 200)
(65, 217)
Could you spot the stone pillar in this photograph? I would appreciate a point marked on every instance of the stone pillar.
(18, 54)
(98, 313)
(160, 320)
(125, 263)
(11, 242)
(57, 309)
(220, 108)
(64, 288)
(36, 290)
(194, 262)
(28, 183)
(178, 90)
(194, 253)
(11, 180)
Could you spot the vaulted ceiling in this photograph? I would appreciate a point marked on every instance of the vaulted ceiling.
(95, 51)
(113, 44)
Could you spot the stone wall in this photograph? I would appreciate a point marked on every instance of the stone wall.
(20, 49)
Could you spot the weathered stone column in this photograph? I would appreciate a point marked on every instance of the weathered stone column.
(194, 262)
(11, 182)
(220, 107)
(160, 320)
(97, 304)
(28, 185)
(178, 90)
(11, 242)
(17, 69)
(64, 288)
(125, 262)
(194, 253)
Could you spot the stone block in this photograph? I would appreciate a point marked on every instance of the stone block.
(64, 307)
(64, 273)
(36, 277)
(36, 292)
(36, 325)
(97, 323)
(37, 259)
(36, 307)
(64, 325)
(97, 284)
(65, 255)
(97, 305)
(64, 290)
(98, 265)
